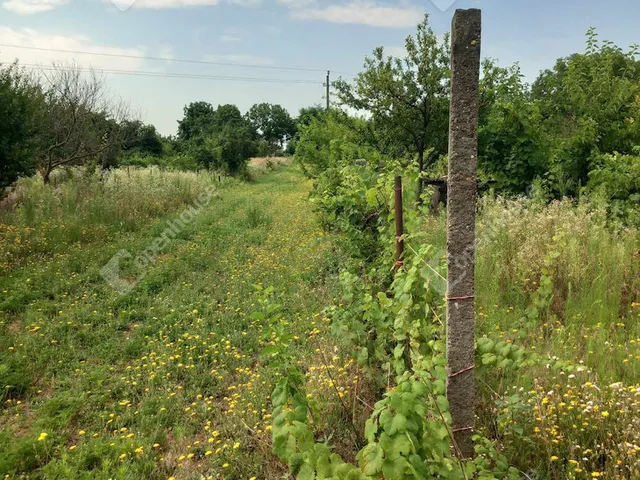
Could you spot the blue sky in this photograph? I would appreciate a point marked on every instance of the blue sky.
(306, 34)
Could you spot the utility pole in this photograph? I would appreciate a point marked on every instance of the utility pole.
(327, 85)
(461, 225)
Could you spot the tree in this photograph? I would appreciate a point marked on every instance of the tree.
(222, 138)
(306, 114)
(589, 104)
(80, 123)
(512, 149)
(408, 99)
(227, 115)
(273, 123)
(142, 139)
(20, 102)
(198, 119)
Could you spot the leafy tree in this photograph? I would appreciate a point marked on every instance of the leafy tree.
(198, 119)
(306, 114)
(218, 138)
(20, 101)
(589, 103)
(141, 139)
(273, 123)
(227, 115)
(408, 99)
(234, 147)
(617, 181)
(512, 150)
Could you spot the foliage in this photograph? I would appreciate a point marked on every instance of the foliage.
(19, 101)
(616, 180)
(199, 118)
(512, 150)
(590, 107)
(273, 123)
(162, 382)
(556, 282)
(406, 98)
(220, 139)
(141, 139)
(80, 124)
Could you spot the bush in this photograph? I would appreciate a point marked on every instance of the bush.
(20, 100)
(616, 181)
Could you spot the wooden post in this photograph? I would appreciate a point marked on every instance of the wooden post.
(399, 222)
(461, 221)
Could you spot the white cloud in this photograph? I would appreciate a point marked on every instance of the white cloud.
(365, 13)
(160, 4)
(28, 7)
(238, 59)
(35, 39)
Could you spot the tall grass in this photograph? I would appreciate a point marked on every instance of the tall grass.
(558, 278)
(84, 206)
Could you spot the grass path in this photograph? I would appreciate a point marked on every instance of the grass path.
(165, 381)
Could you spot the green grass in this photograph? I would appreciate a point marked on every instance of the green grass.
(167, 380)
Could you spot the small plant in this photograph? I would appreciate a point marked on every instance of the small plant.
(256, 217)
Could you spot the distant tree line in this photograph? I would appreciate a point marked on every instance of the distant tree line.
(574, 131)
(66, 117)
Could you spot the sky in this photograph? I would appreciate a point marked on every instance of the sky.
(283, 46)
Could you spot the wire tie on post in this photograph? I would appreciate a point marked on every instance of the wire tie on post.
(461, 429)
(457, 299)
(464, 370)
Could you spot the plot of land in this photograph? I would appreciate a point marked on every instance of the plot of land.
(165, 381)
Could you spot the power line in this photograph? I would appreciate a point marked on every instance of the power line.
(182, 75)
(166, 59)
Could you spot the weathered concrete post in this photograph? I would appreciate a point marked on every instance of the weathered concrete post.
(399, 222)
(461, 221)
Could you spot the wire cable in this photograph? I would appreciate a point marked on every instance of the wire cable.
(165, 59)
(143, 73)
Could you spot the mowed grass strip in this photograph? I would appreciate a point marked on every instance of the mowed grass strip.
(167, 380)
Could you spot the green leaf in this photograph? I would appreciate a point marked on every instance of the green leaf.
(306, 473)
(398, 424)
(395, 469)
(398, 351)
(372, 197)
(370, 430)
(371, 458)
(488, 358)
(272, 350)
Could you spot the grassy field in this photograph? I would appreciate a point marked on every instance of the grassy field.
(166, 380)
(172, 377)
